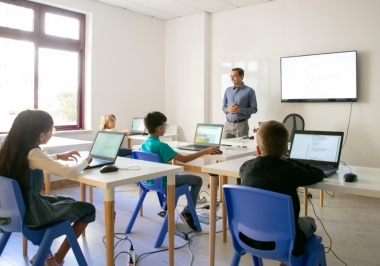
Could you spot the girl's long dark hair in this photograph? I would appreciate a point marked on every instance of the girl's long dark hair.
(23, 136)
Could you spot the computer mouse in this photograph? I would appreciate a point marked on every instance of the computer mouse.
(350, 177)
(252, 137)
(109, 168)
(217, 152)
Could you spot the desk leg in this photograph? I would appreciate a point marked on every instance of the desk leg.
(321, 198)
(24, 246)
(91, 192)
(171, 210)
(221, 179)
(109, 209)
(47, 183)
(83, 198)
(213, 192)
(224, 210)
(129, 144)
(306, 191)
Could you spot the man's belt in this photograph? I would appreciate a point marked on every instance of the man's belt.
(237, 121)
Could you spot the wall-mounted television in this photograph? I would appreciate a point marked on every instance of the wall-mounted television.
(329, 77)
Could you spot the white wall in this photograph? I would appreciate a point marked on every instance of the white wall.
(295, 27)
(126, 63)
(187, 72)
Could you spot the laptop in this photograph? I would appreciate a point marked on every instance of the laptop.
(206, 135)
(105, 148)
(138, 127)
(320, 149)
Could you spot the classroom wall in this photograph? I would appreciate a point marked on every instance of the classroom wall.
(296, 27)
(125, 67)
(187, 72)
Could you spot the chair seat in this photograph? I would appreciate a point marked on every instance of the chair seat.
(258, 222)
(12, 205)
(160, 189)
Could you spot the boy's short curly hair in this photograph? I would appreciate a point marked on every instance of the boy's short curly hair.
(272, 138)
(153, 120)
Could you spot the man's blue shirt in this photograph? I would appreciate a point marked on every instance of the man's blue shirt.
(244, 97)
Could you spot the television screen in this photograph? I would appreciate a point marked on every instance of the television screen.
(327, 77)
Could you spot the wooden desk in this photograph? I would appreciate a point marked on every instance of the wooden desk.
(59, 143)
(368, 184)
(143, 138)
(228, 168)
(108, 182)
(248, 143)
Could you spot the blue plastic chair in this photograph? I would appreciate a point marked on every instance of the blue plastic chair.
(268, 217)
(12, 205)
(161, 192)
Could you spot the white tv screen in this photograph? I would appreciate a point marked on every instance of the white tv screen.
(328, 77)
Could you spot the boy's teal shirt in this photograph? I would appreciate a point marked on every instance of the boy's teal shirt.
(154, 145)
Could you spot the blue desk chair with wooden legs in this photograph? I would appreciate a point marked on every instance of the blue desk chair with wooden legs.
(267, 220)
(158, 187)
(12, 207)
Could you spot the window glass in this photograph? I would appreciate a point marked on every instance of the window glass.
(61, 26)
(16, 17)
(58, 85)
(16, 80)
(38, 71)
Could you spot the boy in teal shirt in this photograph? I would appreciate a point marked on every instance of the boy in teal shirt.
(155, 123)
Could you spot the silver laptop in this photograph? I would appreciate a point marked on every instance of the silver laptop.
(138, 127)
(206, 135)
(320, 149)
(105, 148)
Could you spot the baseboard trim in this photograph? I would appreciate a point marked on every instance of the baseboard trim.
(57, 184)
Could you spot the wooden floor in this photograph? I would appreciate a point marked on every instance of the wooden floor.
(353, 222)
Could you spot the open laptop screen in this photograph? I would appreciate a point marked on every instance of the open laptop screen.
(316, 146)
(138, 125)
(208, 135)
(107, 145)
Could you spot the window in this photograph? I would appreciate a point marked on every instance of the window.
(42, 52)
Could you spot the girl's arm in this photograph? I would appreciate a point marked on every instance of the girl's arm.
(39, 160)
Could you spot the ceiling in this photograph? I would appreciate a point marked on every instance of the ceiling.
(168, 9)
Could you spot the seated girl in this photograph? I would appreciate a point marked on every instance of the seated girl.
(108, 123)
(22, 159)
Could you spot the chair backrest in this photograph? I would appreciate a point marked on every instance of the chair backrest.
(151, 157)
(260, 219)
(293, 122)
(11, 204)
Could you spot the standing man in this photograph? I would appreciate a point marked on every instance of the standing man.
(238, 104)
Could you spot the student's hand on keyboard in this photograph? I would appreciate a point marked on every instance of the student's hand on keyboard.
(68, 156)
(89, 159)
(126, 132)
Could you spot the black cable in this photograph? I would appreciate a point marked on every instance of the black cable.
(348, 126)
(344, 163)
(120, 239)
(122, 252)
(326, 248)
(157, 251)
(329, 194)
(203, 191)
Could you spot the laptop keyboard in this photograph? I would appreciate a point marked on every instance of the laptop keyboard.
(324, 167)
